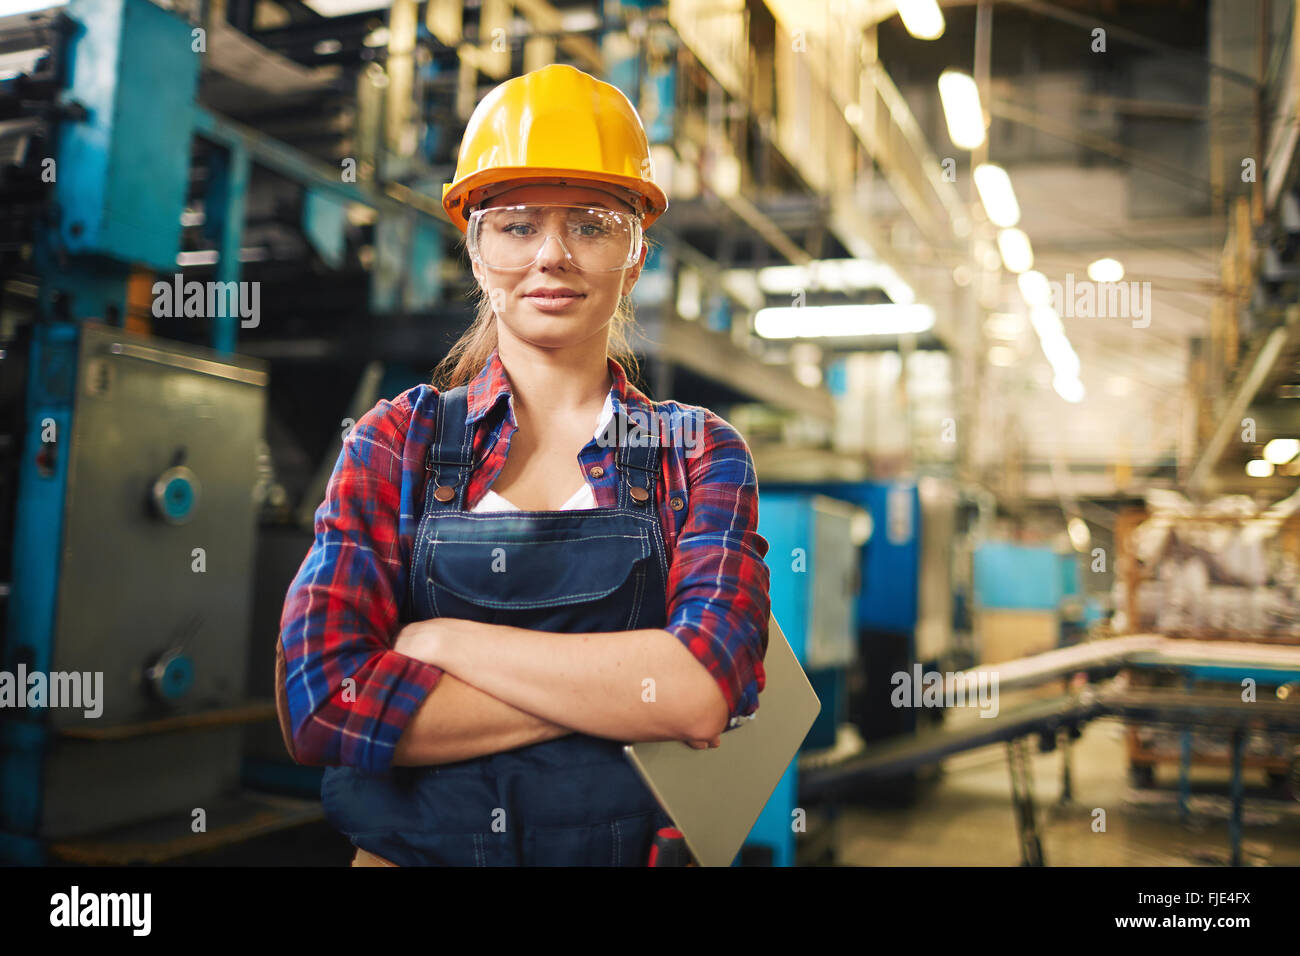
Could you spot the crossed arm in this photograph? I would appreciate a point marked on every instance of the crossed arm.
(506, 687)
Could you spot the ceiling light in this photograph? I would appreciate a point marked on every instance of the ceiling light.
(1003, 356)
(922, 18)
(1035, 289)
(999, 199)
(1079, 534)
(343, 8)
(1070, 389)
(962, 109)
(1106, 270)
(809, 375)
(841, 321)
(1259, 468)
(1017, 254)
(1046, 323)
(840, 275)
(1065, 363)
(1281, 450)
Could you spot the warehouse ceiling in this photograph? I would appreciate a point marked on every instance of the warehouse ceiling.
(1133, 153)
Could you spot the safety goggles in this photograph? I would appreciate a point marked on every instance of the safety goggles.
(593, 239)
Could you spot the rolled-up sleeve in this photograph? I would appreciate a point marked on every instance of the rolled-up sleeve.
(349, 694)
(718, 600)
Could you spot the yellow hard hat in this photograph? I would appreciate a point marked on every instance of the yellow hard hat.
(554, 125)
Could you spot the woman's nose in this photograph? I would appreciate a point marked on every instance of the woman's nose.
(552, 254)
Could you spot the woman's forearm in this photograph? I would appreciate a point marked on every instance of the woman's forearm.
(458, 721)
(625, 685)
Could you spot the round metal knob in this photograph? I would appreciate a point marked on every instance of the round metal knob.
(639, 495)
(176, 495)
(171, 676)
(444, 493)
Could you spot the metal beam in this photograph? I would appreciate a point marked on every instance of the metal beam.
(1242, 396)
(714, 356)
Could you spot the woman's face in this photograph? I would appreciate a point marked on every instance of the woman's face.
(549, 322)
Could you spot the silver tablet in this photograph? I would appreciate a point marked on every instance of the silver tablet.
(714, 796)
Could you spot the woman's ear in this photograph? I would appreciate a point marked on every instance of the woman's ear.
(634, 273)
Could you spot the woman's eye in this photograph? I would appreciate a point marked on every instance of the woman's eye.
(519, 229)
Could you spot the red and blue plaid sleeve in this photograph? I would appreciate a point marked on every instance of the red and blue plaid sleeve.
(718, 600)
(349, 694)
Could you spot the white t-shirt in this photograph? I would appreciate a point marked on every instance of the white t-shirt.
(583, 499)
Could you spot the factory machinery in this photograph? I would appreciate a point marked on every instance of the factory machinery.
(860, 620)
(134, 464)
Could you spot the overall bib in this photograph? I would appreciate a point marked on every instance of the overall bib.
(573, 801)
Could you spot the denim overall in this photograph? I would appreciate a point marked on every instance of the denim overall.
(573, 801)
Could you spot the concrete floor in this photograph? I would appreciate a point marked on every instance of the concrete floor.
(964, 816)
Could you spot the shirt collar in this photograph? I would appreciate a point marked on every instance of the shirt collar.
(492, 385)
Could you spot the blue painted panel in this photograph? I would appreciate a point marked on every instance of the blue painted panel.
(659, 108)
(123, 171)
(1017, 577)
(890, 558)
(424, 273)
(773, 826)
(785, 520)
(37, 547)
(837, 378)
(1069, 574)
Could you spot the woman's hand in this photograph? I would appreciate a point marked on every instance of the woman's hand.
(704, 744)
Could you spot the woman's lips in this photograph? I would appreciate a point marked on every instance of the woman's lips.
(552, 303)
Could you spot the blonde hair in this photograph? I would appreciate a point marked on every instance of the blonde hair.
(470, 353)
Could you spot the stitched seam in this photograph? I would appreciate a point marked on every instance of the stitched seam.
(528, 541)
(636, 601)
(549, 602)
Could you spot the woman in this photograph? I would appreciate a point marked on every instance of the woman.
(551, 611)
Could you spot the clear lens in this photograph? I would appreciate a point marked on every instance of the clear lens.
(593, 239)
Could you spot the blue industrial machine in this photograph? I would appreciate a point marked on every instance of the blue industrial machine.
(886, 607)
(813, 547)
(130, 481)
(134, 513)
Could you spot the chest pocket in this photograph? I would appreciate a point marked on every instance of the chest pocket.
(514, 571)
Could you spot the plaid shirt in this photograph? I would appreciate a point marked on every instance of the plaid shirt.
(349, 694)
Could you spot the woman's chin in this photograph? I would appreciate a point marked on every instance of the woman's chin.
(553, 331)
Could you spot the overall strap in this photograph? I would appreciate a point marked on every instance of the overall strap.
(638, 461)
(451, 454)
